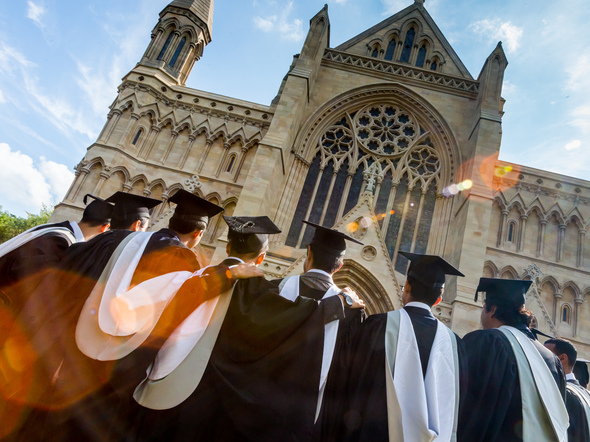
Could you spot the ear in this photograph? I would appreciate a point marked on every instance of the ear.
(104, 228)
(227, 249)
(437, 301)
(198, 235)
(492, 311)
(136, 226)
(260, 258)
(339, 267)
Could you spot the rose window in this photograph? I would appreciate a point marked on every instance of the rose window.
(385, 129)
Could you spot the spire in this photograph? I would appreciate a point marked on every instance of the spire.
(179, 37)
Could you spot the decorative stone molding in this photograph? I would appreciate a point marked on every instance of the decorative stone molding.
(388, 67)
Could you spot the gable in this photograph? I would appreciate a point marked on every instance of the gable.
(386, 40)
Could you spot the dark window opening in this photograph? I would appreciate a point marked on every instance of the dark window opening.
(137, 135)
(390, 50)
(375, 53)
(177, 52)
(408, 43)
(421, 56)
(163, 51)
(232, 160)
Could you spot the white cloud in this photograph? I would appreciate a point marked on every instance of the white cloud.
(58, 176)
(25, 186)
(341, 2)
(35, 12)
(508, 89)
(265, 24)
(578, 78)
(495, 30)
(2, 97)
(575, 144)
(289, 29)
(580, 118)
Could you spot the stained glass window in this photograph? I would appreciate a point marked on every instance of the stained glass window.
(421, 56)
(408, 43)
(163, 51)
(390, 50)
(177, 52)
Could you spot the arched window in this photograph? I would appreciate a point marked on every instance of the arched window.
(408, 43)
(177, 52)
(433, 66)
(137, 135)
(390, 49)
(232, 160)
(381, 146)
(511, 231)
(375, 52)
(421, 56)
(566, 314)
(163, 51)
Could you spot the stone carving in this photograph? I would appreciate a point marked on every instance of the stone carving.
(369, 253)
(193, 183)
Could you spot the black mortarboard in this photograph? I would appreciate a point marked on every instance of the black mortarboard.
(98, 210)
(429, 270)
(330, 240)
(190, 207)
(249, 234)
(129, 207)
(581, 371)
(511, 291)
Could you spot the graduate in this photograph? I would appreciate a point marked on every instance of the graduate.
(248, 366)
(516, 385)
(72, 331)
(25, 258)
(577, 398)
(400, 375)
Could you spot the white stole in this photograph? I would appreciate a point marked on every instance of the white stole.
(540, 395)
(583, 396)
(115, 320)
(290, 291)
(29, 235)
(420, 409)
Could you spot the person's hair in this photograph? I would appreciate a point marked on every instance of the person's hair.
(247, 256)
(580, 371)
(185, 226)
(325, 261)
(564, 346)
(423, 294)
(94, 222)
(125, 224)
(509, 314)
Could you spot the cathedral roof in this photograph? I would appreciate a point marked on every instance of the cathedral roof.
(203, 9)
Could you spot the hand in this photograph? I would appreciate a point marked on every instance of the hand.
(356, 301)
(245, 270)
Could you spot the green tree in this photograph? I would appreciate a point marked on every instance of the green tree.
(11, 225)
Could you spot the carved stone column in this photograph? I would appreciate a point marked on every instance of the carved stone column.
(127, 187)
(189, 147)
(577, 303)
(349, 177)
(541, 238)
(244, 152)
(581, 241)
(84, 171)
(522, 231)
(556, 297)
(149, 142)
(115, 115)
(208, 144)
(173, 136)
(561, 242)
(104, 175)
(502, 228)
(226, 147)
(125, 137)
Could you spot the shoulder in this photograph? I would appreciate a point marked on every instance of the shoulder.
(486, 339)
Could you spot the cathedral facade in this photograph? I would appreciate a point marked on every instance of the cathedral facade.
(387, 137)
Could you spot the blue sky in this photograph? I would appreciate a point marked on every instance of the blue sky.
(62, 60)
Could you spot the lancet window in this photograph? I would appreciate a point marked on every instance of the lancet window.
(381, 149)
(177, 52)
(408, 44)
(163, 51)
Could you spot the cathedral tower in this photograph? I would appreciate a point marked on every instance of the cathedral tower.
(178, 40)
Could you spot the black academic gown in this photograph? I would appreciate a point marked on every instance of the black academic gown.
(262, 380)
(22, 270)
(355, 406)
(493, 405)
(91, 399)
(578, 429)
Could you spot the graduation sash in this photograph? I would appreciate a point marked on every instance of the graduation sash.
(31, 234)
(543, 410)
(181, 363)
(420, 409)
(583, 396)
(116, 320)
(289, 289)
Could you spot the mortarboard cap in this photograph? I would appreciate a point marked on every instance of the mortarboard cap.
(330, 240)
(429, 270)
(511, 291)
(190, 207)
(129, 207)
(581, 371)
(249, 234)
(97, 210)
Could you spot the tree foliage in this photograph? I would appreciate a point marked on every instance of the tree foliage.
(11, 225)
